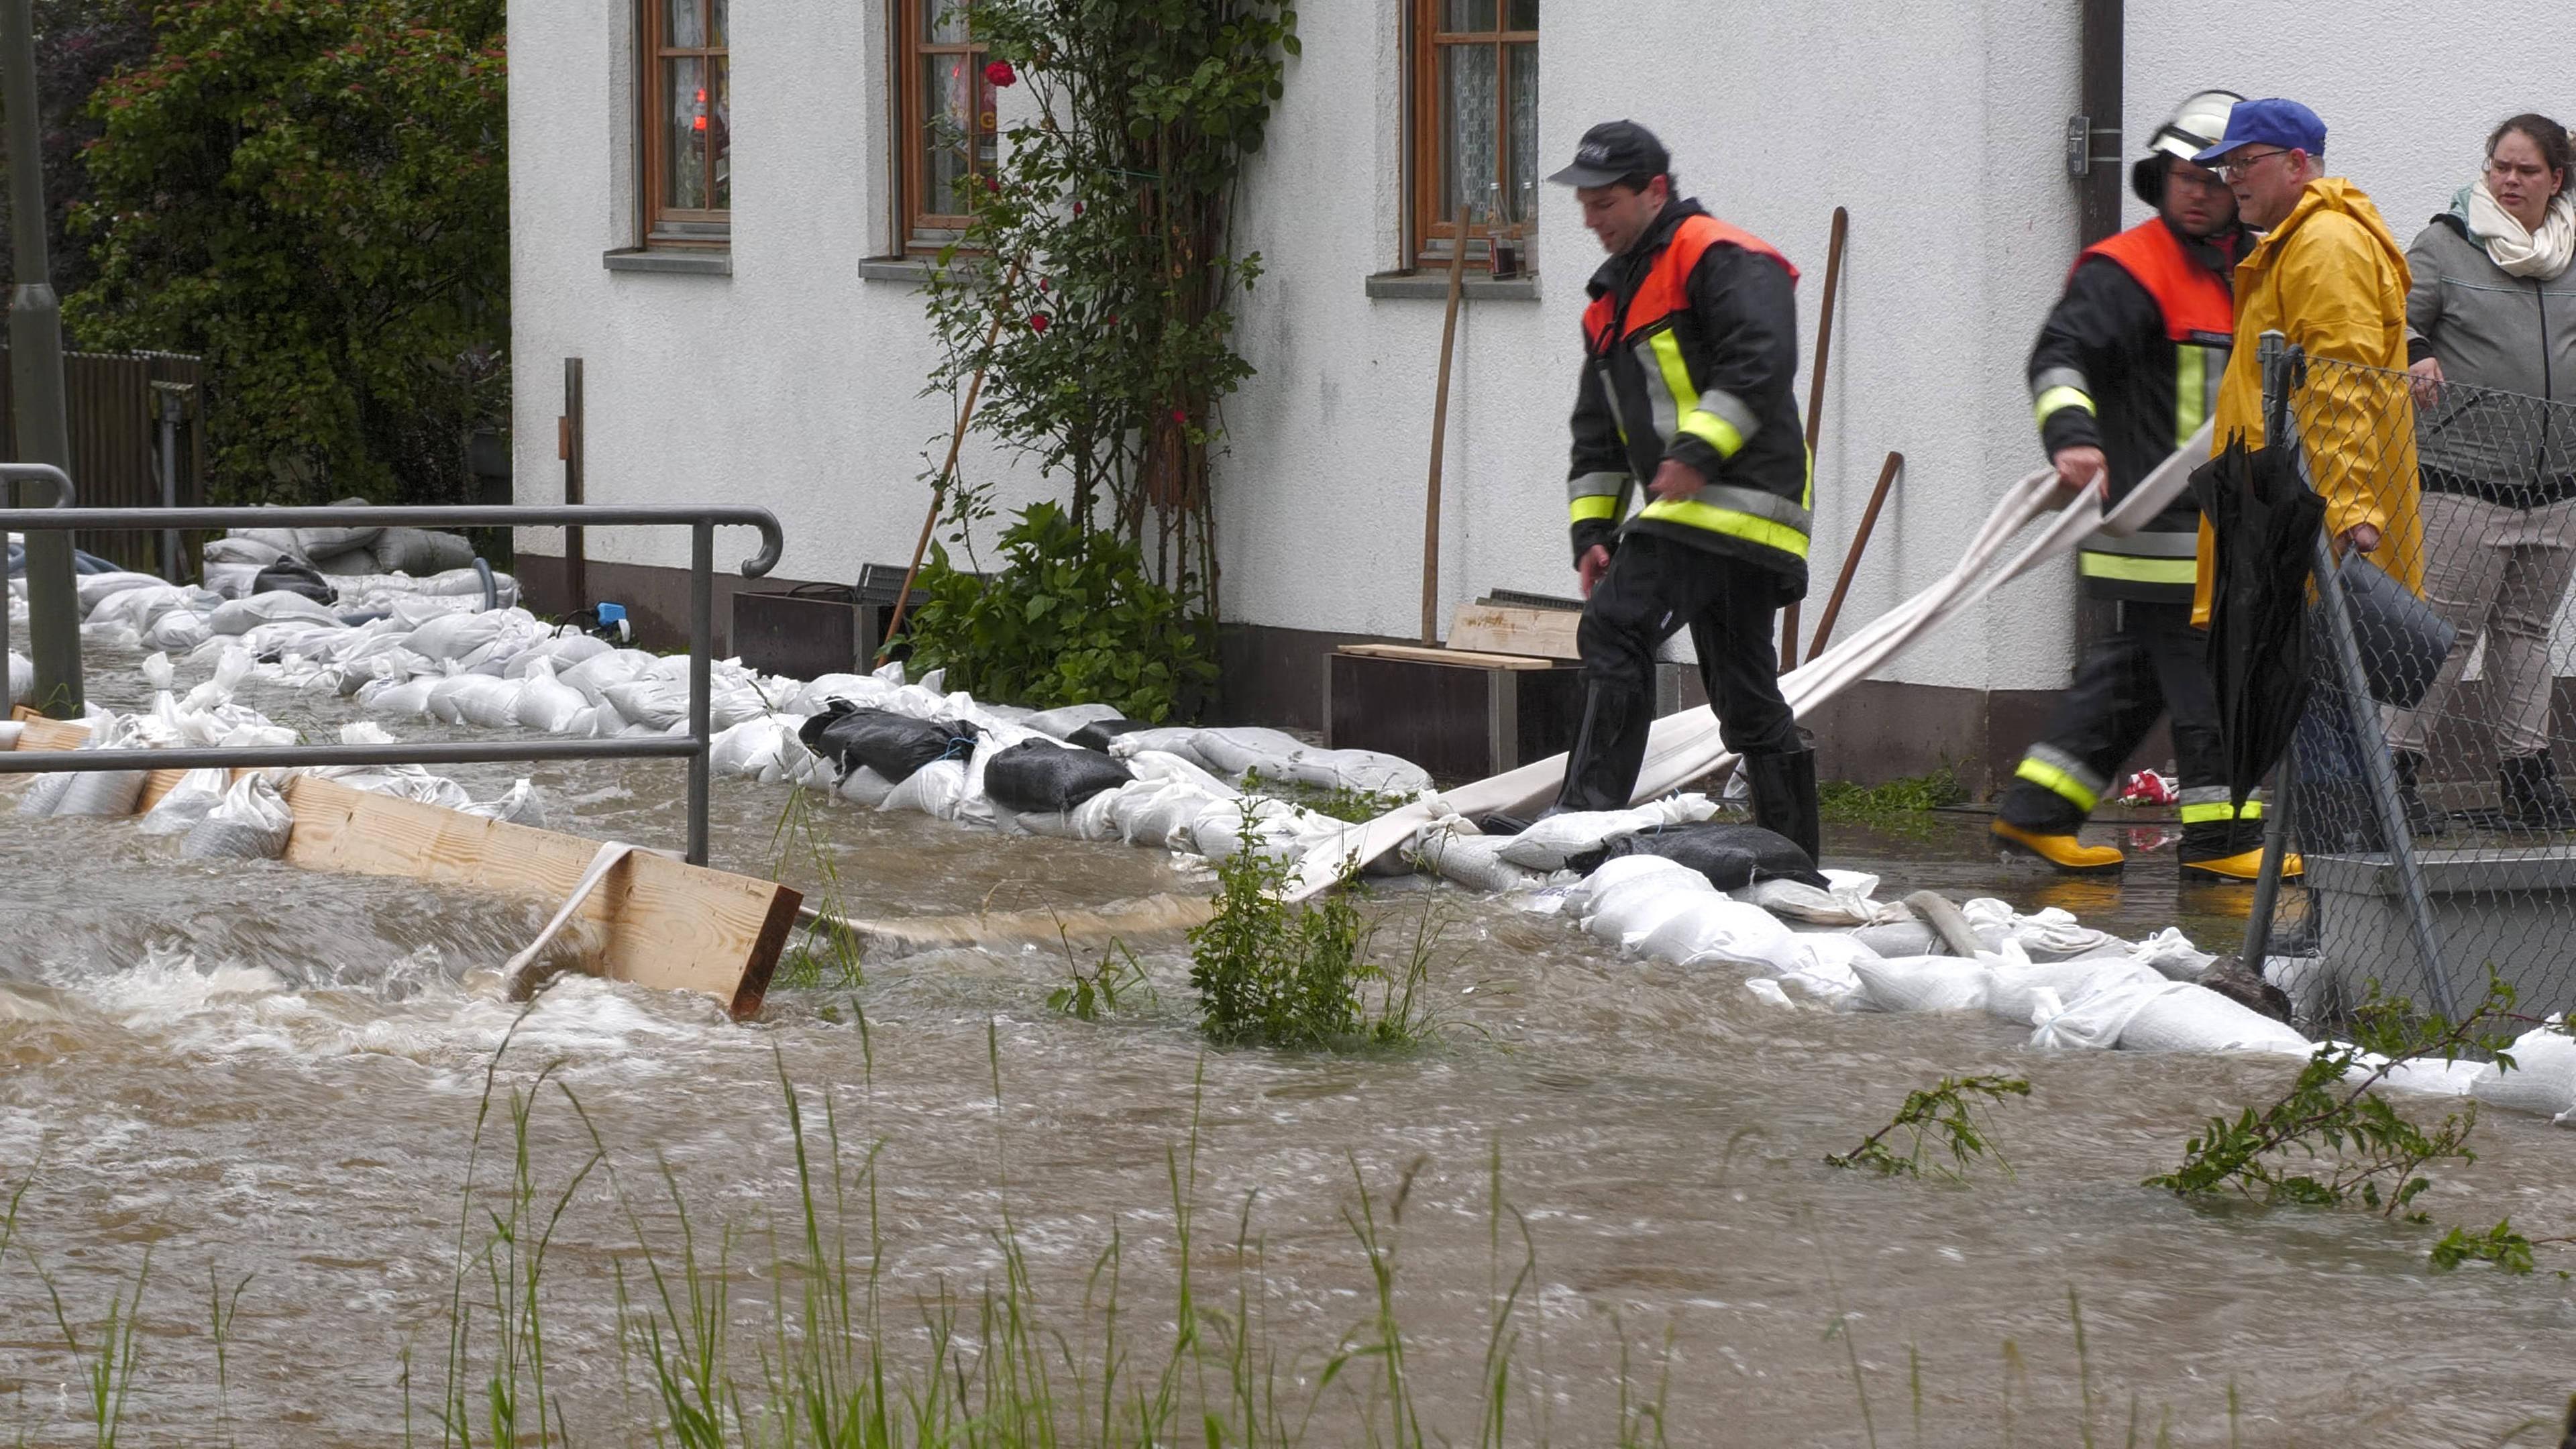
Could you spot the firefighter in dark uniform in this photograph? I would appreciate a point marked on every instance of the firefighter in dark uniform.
(2125, 370)
(1690, 363)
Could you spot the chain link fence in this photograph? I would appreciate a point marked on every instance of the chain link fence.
(2421, 783)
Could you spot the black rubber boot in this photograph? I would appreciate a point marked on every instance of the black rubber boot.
(1601, 769)
(2421, 818)
(2532, 796)
(1784, 798)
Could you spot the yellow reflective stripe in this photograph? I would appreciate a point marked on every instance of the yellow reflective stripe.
(1594, 505)
(2138, 570)
(1677, 378)
(2059, 397)
(2191, 391)
(1713, 430)
(2048, 777)
(1730, 522)
(2203, 814)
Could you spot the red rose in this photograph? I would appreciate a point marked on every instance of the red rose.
(1077, 208)
(999, 73)
(992, 185)
(1113, 319)
(1037, 321)
(1181, 417)
(1042, 284)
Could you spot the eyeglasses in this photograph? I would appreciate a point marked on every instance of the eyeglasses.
(2241, 163)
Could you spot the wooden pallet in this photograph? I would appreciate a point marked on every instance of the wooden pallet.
(658, 922)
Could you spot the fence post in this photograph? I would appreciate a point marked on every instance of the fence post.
(2276, 850)
(2283, 368)
(702, 643)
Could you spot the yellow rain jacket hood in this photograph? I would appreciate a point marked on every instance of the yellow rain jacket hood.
(2333, 280)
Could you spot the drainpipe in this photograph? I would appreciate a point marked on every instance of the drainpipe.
(2094, 164)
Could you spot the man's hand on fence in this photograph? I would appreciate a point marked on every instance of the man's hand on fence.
(2427, 382)
(2079, 470)
(2361, 537)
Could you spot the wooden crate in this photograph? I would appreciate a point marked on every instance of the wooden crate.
(1461, 714)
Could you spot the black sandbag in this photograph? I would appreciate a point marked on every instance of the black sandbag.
(294, 578)
(893, 745)
(1097, 734)
(1040, 777)
(1731, 856)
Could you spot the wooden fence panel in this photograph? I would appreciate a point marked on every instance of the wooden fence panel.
(116, 443)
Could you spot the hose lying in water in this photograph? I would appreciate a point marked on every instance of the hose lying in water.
(1685, 746)
(1117, 921)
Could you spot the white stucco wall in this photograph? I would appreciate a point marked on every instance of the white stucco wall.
(794, 384)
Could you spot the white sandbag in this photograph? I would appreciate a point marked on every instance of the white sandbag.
(1233, 750)
(1580, 897)
(1829, 952)
(158, 672)
(1846, 901)
(231, 580)
(240, 616)
(1175, 740)
(2543, 1078)
(91, 590)
(617, 666)
(251, 822)
(935, 789)
(1162, 767)
(747, 748)
(1716, 930)
(475, 699)
(403, 782)
(1369, 770)
(547, 703)
(1089, 820)
(864, 786)
(1637, 907)
(2193, 1018)
(812, 697)
(522, 804)
(241, 548)
(1162, 815)
(1278, 829)
(97, 792)
(365, 732)
(2095, 1021)
(177, 812)
(404, 698)
(454, 636)
(2049, 934)
(2430, 1077)
(2171, 952)
(1062, 722)
(1921, 983)
(136, 608)
(562, 651)
(179, 629)
(1768, 992)
(1547, 844)
(2012, 992)
(1471, 860)
(22, 676)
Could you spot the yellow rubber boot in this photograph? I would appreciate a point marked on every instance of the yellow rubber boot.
(2061, 851)
(2241, 868)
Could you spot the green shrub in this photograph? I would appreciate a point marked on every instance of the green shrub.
(1071, 618)
(1273, 974)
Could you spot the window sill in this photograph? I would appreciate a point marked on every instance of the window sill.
(707, 262)
(1434, 287)
(914, 270)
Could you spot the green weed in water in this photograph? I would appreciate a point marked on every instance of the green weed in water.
(1298, 976)
(828, 954)
(1945, 1114)
(1341, 802)
(1894, 804)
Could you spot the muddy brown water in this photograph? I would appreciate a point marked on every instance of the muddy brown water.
(256, 1072)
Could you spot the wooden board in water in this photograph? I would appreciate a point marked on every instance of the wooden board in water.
(661, 922)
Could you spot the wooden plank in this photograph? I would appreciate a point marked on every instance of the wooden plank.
(1461, 658)
(659, 922)
(1508, 629)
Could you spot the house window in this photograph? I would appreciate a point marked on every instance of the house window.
(944, 120)
(1475, 128)
(688, 131)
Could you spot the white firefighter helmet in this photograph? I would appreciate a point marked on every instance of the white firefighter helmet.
(2197, 125)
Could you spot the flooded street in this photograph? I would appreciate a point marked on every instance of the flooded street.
(269, 1077)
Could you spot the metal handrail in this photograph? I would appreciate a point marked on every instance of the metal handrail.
(11, 475)
(694, 747)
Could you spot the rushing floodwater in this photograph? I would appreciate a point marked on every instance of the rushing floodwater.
(266, 1073)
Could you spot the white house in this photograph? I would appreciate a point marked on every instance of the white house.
(717, 210)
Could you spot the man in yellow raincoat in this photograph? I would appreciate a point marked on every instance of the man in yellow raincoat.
(2329, 276)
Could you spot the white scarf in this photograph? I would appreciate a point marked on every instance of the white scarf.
(2543, 254)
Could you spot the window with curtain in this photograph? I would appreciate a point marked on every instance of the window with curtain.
(944, 120)
(1475, 130)
(688, 132)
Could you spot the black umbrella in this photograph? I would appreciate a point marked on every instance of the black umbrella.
(2264, 522)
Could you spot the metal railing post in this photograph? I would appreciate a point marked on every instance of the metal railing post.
(36, 371)
(702, 643)
(2284, 367)
(2276, 851)
(11, 475)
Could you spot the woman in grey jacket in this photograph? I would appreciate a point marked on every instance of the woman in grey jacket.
(2491, 325)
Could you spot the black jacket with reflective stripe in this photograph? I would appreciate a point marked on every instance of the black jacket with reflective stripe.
(1739, 336)
(2108, 331)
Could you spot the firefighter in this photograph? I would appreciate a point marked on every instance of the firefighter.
(2125, 370)
(1690, 360)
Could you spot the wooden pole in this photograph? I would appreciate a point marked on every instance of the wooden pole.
(1816, 405)
(939, 485)
(1439, 436)
(1851, 561)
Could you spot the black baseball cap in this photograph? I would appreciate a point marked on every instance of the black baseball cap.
(1615, 151)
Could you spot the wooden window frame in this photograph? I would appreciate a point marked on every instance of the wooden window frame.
(918, 231)
(1430, 234)
(664, 225)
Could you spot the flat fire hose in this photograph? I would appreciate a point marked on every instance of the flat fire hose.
(1684, 747)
